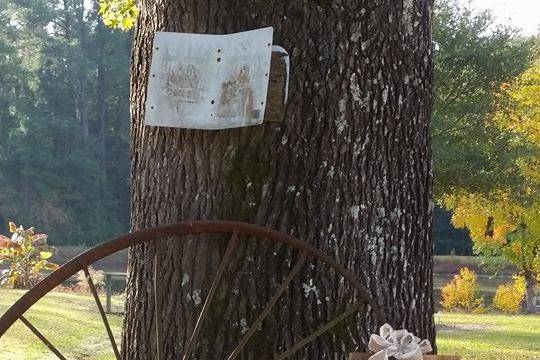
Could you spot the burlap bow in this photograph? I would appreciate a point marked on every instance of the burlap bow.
(400, 344)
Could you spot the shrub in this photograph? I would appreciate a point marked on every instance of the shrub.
(509, 297)
(27, 255)
(462, 293)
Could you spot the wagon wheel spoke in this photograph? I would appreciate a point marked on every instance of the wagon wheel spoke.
(102, 312)
(42, 338)
(332, 323)
(215, 283)
(268, 307)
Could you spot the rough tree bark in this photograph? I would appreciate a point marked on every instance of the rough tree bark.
(349, 170)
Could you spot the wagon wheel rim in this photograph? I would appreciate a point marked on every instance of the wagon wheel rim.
(182, 230)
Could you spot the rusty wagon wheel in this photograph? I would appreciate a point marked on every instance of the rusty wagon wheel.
(182, 229)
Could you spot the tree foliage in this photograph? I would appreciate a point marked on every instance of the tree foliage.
(473, 58)
(27, 255)
(505, 220)
(518, 111)
(119, 14)
(63, 120)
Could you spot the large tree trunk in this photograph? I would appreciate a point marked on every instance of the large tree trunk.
(349, 170)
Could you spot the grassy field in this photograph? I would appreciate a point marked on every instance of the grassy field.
(72, 323)
(490, 336)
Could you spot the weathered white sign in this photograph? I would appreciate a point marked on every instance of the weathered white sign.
(202, 81)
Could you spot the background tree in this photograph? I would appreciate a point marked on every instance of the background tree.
(348, 170)
(506, 221)
(473, 58)
(63, 120)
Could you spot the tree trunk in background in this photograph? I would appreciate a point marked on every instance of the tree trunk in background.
(530, 290)
(80, 79)
(349, 171)
(101, 93)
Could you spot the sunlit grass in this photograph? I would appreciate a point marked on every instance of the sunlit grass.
(490, 336)
(70, 321)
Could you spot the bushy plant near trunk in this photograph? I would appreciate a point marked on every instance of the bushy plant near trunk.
(27, 255)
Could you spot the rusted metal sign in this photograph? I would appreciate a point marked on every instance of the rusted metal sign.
(202, 81)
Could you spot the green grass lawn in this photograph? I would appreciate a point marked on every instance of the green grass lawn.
(72, 323)
(490, 336)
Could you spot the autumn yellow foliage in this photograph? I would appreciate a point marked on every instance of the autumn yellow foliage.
(488, 218)
(519, 110)
(504, 220)
(509, 297)
(462, 293)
